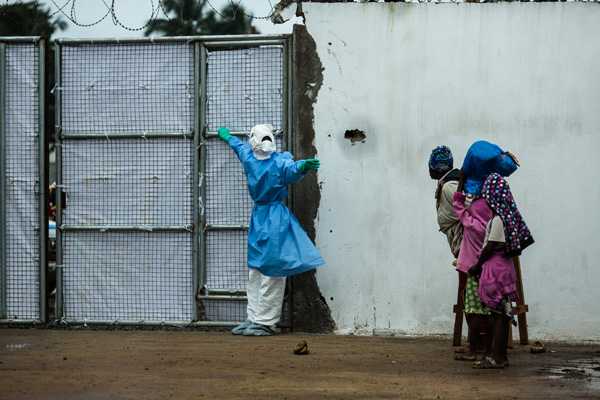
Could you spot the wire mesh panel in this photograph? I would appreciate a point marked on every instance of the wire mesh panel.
(128, 182)
(226, 260)
(228, 201)
(22, 177)
(127, 88)
(244, 87)
(225, 310)
(128, 276)
(127, 205)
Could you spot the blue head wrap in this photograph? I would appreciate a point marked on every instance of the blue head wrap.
(441, 159)
(482, 159)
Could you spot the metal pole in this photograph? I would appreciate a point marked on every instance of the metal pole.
(174, 39)
(289, 144)
(121, 136)
(43, 180)
(20, 39)
(244, 44)
(201, 199)
(233, 133)
(125, 228)
(196, 180)
(59, 310)
(222, 227)
(2, 181)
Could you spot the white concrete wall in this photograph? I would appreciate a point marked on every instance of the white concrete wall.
(523, 75)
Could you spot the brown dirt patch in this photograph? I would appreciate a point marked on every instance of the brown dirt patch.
(99, 365)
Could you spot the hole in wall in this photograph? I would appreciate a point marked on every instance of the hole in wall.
(355, 136)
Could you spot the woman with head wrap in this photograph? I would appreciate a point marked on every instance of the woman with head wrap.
(441, 168)
(482, 159)
(506, 235)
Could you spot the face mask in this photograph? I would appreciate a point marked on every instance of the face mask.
(262, 141)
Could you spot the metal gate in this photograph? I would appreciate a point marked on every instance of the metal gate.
(23, 226)
(125, 169)
(153, 207)
(245, 83)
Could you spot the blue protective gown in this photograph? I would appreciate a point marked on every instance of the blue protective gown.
(277, 244)
(482, 159)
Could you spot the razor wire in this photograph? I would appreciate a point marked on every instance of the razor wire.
(68, 10)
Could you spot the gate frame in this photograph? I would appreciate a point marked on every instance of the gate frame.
(60, 138)
(42, 187)
(200, 45)
(230, 43)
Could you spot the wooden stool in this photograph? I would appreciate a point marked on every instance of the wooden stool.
(520, 310)
(459, 309)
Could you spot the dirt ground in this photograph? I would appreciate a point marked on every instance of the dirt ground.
(102, 365)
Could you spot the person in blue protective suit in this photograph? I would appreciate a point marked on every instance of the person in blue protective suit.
(278, 247)
(484, 158)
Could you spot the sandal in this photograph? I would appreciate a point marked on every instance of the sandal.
(488, 363)
(465, 357)
(537, 348)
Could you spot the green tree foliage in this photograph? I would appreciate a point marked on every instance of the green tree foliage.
(189, 18)
(28, 19)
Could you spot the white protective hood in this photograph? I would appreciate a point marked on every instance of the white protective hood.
(262, 140)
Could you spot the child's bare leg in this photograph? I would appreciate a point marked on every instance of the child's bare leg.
(500, 343)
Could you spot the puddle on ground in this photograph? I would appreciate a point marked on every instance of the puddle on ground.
(587, 370)
(17, 346)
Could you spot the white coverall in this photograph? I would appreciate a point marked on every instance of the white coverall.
(265, 298)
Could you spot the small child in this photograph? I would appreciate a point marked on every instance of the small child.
(474, 214)
(506, 236)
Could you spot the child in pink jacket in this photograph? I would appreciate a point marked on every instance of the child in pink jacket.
(474, 215)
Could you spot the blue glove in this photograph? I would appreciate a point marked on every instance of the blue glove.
(224, 134)
(309, 164)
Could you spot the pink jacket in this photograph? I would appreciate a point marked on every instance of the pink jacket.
(474, 220)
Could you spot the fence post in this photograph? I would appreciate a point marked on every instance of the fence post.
(43, 179)
(201, 154)
(2, 181)
(196, 272)
(58, 140)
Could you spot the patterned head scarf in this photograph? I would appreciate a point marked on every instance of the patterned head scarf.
(441, 159)
(500, 199)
